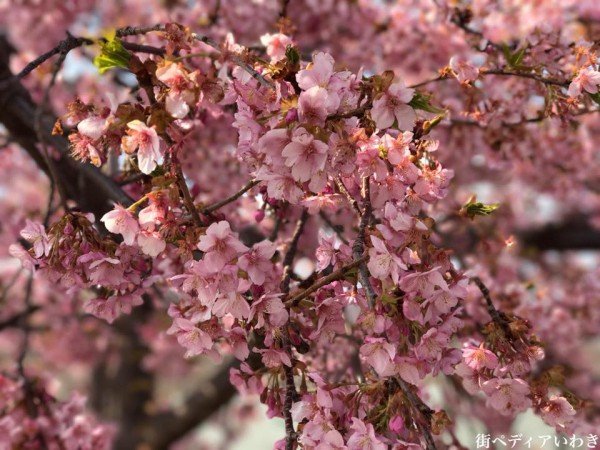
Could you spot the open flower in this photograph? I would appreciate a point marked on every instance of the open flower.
(393, 105)
(587, 80)
(146, 141)
(121, 221)
(220, 245)
(478, 358)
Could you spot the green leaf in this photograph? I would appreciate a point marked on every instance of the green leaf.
(421, 101)
(112, 54)
(515, 58)
(473, 209)
(292, 55)
(595, 97)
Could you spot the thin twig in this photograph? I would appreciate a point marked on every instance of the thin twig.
(231, 198)
(531, 76)
(498, 317)
(334, 227)
(342, 187)
(333, 276)
(236, 59)
(290, 387)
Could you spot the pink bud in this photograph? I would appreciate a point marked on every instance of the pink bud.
(259, 215)
(396, 424)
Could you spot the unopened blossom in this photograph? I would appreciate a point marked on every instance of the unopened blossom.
(93, 126)
(145, 140)
(558, 412)
(121, 221)
(257, 262)
(392, 105)
(478, 358)
(464, 70)
(508, 396)
(276, 45)
(35, 234)
(220, 245)
(396, 424)
(587, 80)
(305, 155)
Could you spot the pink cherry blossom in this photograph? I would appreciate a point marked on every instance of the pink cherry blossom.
(305, 155)
(257, 262)
(379, 354)
(151, 243)
(276, 45)
(181, 94)
(121, 221)
(392, 105)
(220, 245)
(35, 234)
(587, 80)
(478, 358)
(558, 412)
(268, 308)
(364, 437)
(191, 337)
(145, 140)
(464, 70)
(383, 263)
(507, 395)
(318, 73)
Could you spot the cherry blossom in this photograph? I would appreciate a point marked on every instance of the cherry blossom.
(145, 140)
(392, 105)
(220, 245)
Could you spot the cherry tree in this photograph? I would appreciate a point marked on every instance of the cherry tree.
(333, 206)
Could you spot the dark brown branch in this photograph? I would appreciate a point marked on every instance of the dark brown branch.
(498, 317)
(141, 48)
(63, 47)
(187, 198)
(531, 76)
(290, 387)
(359, 243)
(423, 410)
